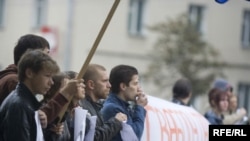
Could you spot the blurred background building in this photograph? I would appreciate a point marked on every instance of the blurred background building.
(71, 26)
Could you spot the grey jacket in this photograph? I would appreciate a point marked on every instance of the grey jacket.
(104, 131)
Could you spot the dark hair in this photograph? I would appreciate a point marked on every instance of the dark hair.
(121, 74)
(36, 60)
(71, 74)
(182, 88)
(54, 90)
(29, 41)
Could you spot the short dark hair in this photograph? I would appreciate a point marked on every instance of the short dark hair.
(29, 41)
(121, 74)
(70, 74)
(182, 88)
(36, 60)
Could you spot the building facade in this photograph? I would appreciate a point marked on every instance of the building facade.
(72, 26)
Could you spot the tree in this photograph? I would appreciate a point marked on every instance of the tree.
(181, 51)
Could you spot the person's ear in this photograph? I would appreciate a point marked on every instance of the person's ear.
(90, 84)
(29, 73)
(123, 86)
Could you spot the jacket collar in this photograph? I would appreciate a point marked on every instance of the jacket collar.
(177, 101)
(116, 98)
(24, 91)
(96, 105)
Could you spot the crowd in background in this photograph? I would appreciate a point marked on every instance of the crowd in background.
(223, 110)
(115, 103)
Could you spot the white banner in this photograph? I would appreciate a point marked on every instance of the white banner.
(167, 121)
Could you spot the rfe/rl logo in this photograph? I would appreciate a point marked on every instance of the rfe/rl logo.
(224, 1)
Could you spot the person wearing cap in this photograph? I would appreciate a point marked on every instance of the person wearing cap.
(224, 85)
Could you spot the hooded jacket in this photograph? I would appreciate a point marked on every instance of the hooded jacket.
(8, 81)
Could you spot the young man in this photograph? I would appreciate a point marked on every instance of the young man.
(124, 80)
(97, 88)
(17, 121)
(8, 76)
(35, 71)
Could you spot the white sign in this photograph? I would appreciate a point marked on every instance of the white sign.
(166, 121)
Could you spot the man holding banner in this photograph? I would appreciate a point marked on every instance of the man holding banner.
(97, 84)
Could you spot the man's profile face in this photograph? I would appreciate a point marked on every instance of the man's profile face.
(102, 85)
(133, 88)
(41, 82)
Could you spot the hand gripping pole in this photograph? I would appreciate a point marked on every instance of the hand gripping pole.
(91, 53)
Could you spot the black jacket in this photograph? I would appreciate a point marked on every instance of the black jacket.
(104, 131)
(17, 115)
(49, 135)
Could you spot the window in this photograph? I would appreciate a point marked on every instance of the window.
(196, 17)
(244, 95)
(135, 17)
(2, 2)
(40, 13)
(245, 37)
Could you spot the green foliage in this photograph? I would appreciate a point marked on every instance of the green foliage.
(180, 51)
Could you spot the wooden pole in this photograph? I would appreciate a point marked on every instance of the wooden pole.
(91, 53)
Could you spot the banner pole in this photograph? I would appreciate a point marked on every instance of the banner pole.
(91, 53)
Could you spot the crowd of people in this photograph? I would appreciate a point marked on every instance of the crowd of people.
(115, 102)
(223, 110)
(35, 73)
(224, 107)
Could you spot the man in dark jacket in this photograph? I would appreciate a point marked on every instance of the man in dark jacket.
(97, 88)
(17, 112)
(9, 76)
